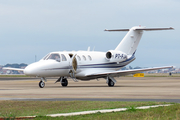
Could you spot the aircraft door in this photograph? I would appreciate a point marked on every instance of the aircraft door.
(73, 67)
(73, 63)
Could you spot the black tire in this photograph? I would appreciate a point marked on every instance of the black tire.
(64, 82)
(41, 84)
(110, 83)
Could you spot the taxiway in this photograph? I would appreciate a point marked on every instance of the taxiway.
(126, 89)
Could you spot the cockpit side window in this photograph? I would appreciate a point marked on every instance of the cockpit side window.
(54, 56)
(63, 57)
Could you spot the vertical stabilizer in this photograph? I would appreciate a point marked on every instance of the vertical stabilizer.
(130, 42)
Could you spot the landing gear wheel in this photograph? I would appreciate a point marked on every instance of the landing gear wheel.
(110, 83)
(41, 84)
(64, 82)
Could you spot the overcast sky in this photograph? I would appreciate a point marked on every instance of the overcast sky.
(30, 28)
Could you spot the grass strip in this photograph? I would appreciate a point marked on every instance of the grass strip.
(160, 113)
(42, 108)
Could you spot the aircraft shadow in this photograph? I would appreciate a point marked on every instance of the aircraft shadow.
(98, 86)
(78, 86)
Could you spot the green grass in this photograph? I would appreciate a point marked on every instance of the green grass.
(42, 108)
(160, 113)
(131, 109)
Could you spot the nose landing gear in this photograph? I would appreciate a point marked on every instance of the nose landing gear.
(42, 82)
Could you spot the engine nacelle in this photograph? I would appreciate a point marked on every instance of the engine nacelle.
(116, 56)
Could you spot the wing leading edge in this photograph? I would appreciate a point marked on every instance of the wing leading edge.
(126, 72)
(8, 68)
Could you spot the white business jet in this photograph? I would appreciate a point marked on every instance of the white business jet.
(88, 65)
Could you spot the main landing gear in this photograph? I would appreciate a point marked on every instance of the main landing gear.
(63, 81)
(110, 81)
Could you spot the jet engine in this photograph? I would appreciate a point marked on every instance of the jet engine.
(116, 56)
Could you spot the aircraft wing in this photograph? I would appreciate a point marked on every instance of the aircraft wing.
(126, 72)
(8, 68)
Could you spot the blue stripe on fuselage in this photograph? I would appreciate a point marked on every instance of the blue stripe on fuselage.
(108, 65)
(102, 65)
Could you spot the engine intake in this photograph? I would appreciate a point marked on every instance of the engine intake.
(108, 55)
(115, 56)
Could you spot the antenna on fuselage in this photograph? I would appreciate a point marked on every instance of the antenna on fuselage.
(35, 58)
(93, 48)
(88, 48)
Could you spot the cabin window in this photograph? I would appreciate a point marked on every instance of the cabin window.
(78, 58)
(89, 57)
(84, 57)
(63, 57)
(54, 56)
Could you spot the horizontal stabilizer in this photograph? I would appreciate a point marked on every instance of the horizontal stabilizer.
(151, 29)
(8, 68)
(146, 29)
(117, 30)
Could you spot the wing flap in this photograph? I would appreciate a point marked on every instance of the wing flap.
(127, 72)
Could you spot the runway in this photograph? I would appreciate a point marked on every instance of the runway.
(126, 89)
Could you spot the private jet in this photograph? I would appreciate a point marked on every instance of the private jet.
(90, 65)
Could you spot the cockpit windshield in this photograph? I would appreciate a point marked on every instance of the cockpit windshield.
(44, 58)
(53, 56)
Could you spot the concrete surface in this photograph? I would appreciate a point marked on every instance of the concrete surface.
(125, 88)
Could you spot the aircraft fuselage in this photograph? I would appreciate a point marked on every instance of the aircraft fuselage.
(85, 62)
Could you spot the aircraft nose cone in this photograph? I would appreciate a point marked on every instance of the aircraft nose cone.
(30, 70)
(27, 71)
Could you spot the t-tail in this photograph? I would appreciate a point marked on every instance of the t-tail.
(130, 42)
